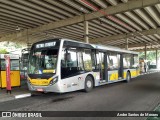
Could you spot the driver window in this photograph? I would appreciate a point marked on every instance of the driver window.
(71, 62)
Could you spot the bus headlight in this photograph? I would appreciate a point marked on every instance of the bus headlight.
(53, 81)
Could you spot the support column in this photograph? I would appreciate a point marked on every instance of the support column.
(156, 58)
(86, 37)
(145, 52)
(28, 44)
(126, 43)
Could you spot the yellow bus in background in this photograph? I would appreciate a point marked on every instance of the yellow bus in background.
(14, 73)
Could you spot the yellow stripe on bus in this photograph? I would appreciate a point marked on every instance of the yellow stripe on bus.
(40, 82)
(114, 76)
(124, 75)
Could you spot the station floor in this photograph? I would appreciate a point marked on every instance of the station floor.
(16, 91)
(141, 94)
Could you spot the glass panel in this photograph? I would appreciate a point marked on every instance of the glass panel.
(113, 61)
(93, 60)
(136, 61)
(71, 58)
(3, 65)
(43, 61)
(98, 61)
(102, 60)
(126, 61)
(70, 65)
(87, 60)
(80, 60)
(14, 64)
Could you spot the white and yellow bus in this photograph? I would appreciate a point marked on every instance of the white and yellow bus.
(63, 65)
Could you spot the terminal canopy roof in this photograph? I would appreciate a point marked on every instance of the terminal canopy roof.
(111, 22)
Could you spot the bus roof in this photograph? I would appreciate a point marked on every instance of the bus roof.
(102, 47)
(105, 47)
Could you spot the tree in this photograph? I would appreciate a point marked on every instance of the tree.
(151, 55)
(3, 51)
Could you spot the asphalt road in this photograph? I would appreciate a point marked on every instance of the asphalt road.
(141, 94)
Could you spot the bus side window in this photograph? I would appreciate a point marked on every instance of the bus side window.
(69, 62)
(127, 61)
(136, 61)
(113, 60)
(98, 61)
(87, 61)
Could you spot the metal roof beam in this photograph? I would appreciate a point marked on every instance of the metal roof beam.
(130, 5)
(158, 7)
(148, 49)
(41, 9)
(132, 45)
(54, 8)
(146, 18)
(153, 14)
(100, 3)
(125, 1)
(130, 22)
(136, 19)
(106, 26)
(121, 36)
(65, 7)
(112, 2)
(25, 8)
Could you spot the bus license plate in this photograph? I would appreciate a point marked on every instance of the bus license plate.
(40, 89)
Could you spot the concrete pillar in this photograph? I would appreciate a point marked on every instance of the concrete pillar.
(156, 58)
(86, 33)
(126, 43)
(145, 52)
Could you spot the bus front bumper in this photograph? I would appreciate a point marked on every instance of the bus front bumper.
(50, 88)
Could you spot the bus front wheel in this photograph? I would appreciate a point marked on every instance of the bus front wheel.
(88, 84)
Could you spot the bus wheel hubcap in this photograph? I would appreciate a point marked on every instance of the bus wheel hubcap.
(89, 84)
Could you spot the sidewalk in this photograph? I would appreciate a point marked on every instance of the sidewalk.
(16, 91)
(150, 71)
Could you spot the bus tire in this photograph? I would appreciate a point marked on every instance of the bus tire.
(128, 77)
(88, 84)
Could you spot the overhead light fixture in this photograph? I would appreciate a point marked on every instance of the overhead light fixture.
(18, 28)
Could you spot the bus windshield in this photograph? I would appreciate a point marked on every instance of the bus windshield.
(42, 61)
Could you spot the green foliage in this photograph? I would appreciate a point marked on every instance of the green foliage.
(151, 55)
(3, 51)
(18, 45)
(141, 55)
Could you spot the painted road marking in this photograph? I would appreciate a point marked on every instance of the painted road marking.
(23, 95)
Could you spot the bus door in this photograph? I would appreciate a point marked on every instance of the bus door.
(100, 59)
(120, 70)
(113, 66)
(136, 64)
